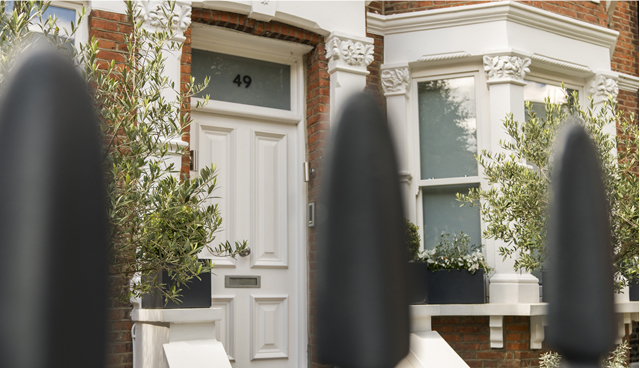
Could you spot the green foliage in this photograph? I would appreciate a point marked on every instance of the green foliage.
(617, 358)
(550, 360)
(412, 238)
(514, 207)
(24, 26)
(456, 255)
(157, 221)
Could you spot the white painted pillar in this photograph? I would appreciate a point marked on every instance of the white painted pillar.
(348, 57)
(396, 82)
(505, 80)
(177, 338)
(601, 87)
(153, 16)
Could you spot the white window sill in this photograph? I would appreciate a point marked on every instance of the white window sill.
(421, 318)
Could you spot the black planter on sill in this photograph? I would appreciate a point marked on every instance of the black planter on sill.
(633, 290)
(418, 287)
(456, 287)
(195, 294)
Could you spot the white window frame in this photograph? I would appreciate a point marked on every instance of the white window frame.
(82, 34)
(482, 131)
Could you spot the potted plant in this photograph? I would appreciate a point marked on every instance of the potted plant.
(456, 271)
(417, 268)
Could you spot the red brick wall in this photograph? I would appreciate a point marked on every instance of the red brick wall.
(374, 79)
(318, 133)
(241, 23)
(120, 349)
(185, 77)
(469, 337)
(109, 30)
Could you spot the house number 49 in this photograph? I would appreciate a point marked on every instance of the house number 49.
(246, 79)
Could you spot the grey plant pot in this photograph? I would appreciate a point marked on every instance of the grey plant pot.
(456, 287)
(196, 294)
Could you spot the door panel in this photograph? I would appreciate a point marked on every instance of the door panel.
(259, 193)
(217, 146)
(270, 200)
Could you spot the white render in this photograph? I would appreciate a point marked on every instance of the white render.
(177, 338)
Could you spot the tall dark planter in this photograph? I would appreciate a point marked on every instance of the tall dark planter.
(195, 294)
(633, 290)
(418, 287)
(456, 287)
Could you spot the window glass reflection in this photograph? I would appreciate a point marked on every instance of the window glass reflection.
(447, 122)
(536, 92)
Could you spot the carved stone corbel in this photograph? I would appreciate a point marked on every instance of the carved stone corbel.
(506, 68)
(395, 81)
(348, 53)
(156, 13)
(601, 87)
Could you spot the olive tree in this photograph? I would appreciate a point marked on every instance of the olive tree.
(514, 207)
(159, 220)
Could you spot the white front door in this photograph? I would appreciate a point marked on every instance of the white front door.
(261, 201)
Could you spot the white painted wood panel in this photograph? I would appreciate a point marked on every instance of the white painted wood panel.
(269, 333)
(262, 161)
(270, 200)
(225, 327)
(217, 146)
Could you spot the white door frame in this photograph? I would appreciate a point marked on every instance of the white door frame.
(216, 39)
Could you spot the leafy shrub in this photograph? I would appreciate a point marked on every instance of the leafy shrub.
(514, 208)
(617, 359)
(412, 238)
(455, 255)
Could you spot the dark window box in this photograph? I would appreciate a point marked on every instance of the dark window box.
(418, 288)
(456, 287)
(195, 294)
(633, 290)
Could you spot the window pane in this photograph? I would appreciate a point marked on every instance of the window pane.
(243, 80)
(447, 128)
(536, 92)
(443, 214)
(65, 16)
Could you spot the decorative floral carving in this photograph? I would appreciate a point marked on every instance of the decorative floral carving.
(395, 80)
(155, 13)
(149, 11)
(506, 67)
(602, 87)
(350, 52)
(181, 17)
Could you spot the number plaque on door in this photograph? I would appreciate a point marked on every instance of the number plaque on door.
(241, 281)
